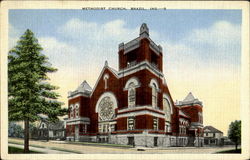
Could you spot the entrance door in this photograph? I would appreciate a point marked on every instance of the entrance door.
(155, 141)
(76, 133)
(131, 140)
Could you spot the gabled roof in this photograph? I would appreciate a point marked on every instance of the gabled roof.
(212, 129)
(106, 66)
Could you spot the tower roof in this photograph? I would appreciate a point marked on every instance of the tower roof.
(189, 99)
(135, 43)
(84, 86)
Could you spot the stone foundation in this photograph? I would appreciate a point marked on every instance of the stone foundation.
(144, 139)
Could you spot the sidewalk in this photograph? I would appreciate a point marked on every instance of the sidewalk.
(44, 150)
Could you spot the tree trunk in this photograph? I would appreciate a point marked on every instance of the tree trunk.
(26, 136)
(236, 146)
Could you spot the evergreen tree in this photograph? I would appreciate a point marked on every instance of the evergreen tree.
(234, 133)
(30, 93)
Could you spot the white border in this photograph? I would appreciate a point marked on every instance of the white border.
(244, 5)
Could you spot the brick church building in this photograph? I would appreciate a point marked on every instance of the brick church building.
(133, 105)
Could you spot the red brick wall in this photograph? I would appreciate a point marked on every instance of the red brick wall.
(113, 86)
(122, 123)
(161, 123)
(142, 53)
(192, 111)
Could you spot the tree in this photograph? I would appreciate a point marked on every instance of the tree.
(15, 130)
(30, 93)
(234, 132)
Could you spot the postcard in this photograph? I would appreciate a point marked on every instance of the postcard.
(109, 80)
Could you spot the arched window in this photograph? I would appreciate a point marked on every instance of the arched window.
(167, 109)
(77, 110)
(131, 95)
(71, 110)
(105, 107)
(154, 95)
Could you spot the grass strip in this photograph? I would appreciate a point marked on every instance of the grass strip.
(102, 144)
(15, 150)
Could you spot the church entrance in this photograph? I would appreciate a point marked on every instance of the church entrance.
(155, 141)
(131, 140)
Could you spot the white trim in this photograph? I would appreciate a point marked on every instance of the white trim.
(140, 107)
(105, 78)
(137, 113)
(77, 122)
(106, 94)
(78, 119)
(135, 80)
(77, 95)
(82, 120)
(154, 81)
(140, 66)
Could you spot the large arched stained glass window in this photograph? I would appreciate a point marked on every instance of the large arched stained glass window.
(106, 109)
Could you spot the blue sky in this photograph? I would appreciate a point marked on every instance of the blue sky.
(172, 23)
(201, 49)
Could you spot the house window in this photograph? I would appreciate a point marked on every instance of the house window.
(154, 95)
(131, 95)
(155, 123)
(131, 123)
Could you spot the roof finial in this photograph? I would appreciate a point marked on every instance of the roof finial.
(144, 31)
(106, 63)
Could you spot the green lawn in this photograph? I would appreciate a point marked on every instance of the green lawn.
(230, 151)
(15, 150)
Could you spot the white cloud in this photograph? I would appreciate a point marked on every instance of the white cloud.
(219, 34)
(59, 53)
(112, 30)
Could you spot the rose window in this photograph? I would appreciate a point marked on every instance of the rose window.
(106, 109)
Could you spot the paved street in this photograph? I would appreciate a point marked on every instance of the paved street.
(89, 149)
